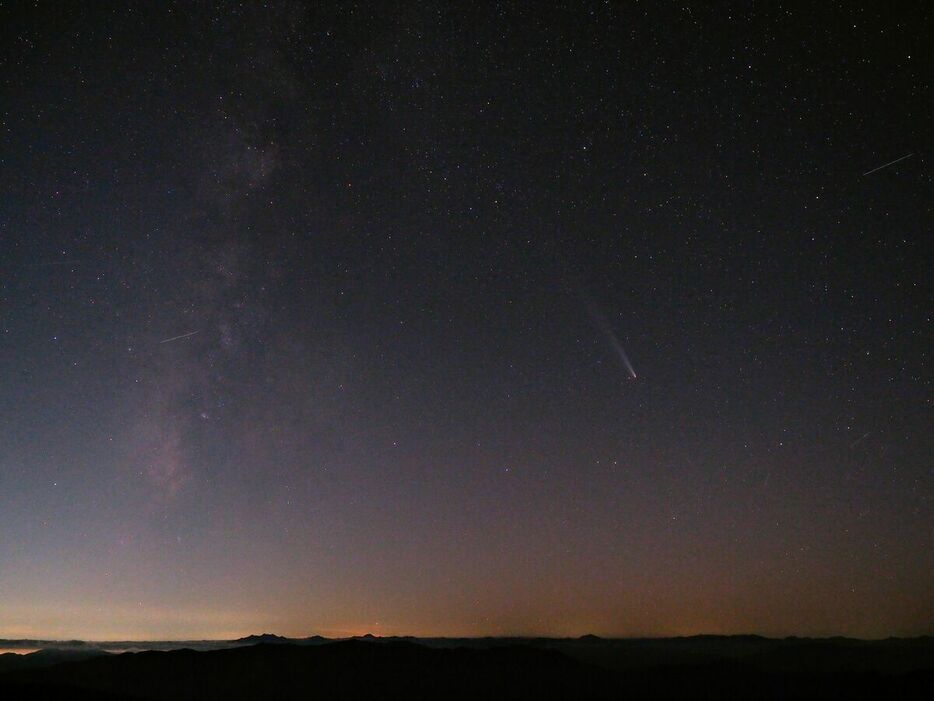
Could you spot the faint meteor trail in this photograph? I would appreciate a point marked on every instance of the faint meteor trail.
(890, 163)
(175, 338)
(604, 326)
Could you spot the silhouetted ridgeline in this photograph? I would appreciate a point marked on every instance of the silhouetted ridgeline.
(589, 667)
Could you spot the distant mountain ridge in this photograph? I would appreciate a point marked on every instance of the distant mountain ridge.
(570, 668)
(263, 639)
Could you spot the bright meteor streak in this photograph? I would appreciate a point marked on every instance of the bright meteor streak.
(890, 163)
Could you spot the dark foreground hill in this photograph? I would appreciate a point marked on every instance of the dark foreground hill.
(586, 669)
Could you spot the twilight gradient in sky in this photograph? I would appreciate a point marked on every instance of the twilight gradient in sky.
(298, 319)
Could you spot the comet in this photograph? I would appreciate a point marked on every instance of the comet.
(611, 336)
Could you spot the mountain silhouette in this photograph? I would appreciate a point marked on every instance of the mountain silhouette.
(263, 638)
(590, 668)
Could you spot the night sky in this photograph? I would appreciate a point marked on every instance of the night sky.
(463, 319)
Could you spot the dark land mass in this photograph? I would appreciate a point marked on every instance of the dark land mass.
(706, 667)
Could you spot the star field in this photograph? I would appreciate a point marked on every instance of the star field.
(429, 319)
